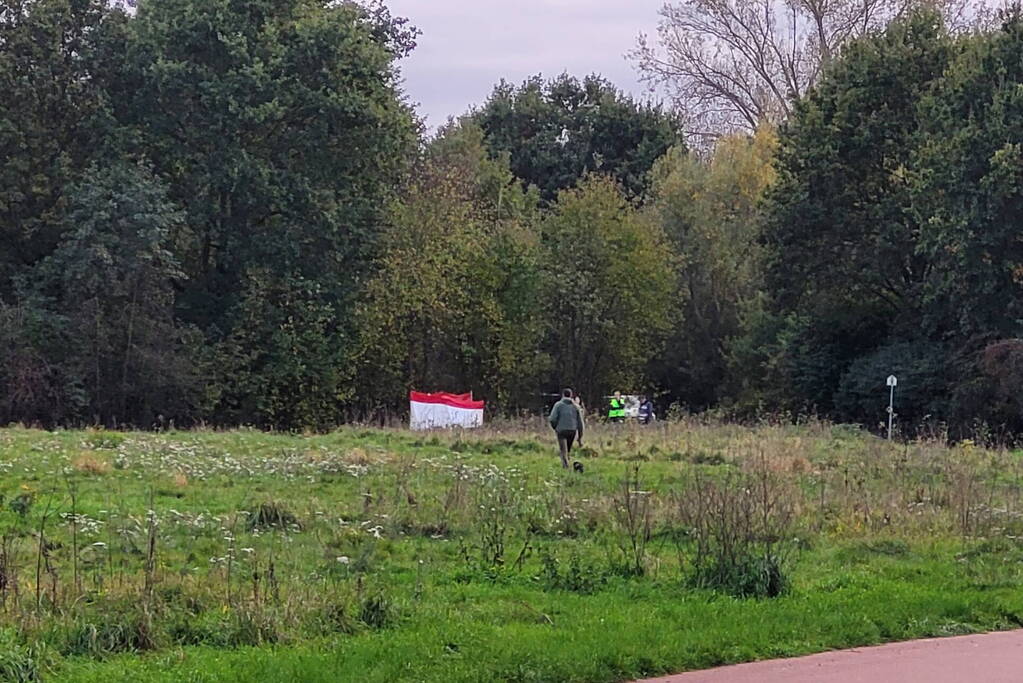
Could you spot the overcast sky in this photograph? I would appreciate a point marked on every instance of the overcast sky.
(469, 45)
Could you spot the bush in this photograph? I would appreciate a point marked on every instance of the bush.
(920, 367)
(578, 576)
(986, 381)
(272, 515)
(376, 611)
(104, 440)
(335, 617)
(733, 529)
(122, 629)
(745, 576)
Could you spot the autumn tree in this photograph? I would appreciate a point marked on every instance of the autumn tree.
(710, 210)
(609, 298)
(454, 303)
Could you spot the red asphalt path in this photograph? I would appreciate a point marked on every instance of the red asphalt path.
(985, 658)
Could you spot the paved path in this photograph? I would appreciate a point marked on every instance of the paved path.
(986, 658)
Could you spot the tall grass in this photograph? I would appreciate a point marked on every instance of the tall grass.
(118, 544)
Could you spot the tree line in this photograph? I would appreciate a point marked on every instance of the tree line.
(226, 212)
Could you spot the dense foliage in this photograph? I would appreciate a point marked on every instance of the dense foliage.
(556, 132)
(227, 212)
(891, 231)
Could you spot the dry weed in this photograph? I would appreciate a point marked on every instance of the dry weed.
(88, 463)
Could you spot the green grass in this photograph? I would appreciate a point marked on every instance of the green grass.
(372, 555)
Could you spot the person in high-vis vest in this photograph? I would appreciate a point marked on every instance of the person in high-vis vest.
(616, 413)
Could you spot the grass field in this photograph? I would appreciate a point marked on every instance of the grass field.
(373, 555)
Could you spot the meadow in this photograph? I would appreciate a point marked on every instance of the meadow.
(382, 555)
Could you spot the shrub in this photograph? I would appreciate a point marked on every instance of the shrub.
(104, 440)
(733, 528)
(922, 391)
(21, 504)
(376, 611)
(577, 576)
(121, 629)
(633, 523)
(744, 576)
(335, 617)
(272, 515)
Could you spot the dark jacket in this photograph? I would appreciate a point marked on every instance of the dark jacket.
(565, 417)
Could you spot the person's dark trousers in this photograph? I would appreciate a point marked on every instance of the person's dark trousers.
(565, 441)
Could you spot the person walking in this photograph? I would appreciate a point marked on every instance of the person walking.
(616, 413)
(567, 422)
(646, 411)
(579, 404)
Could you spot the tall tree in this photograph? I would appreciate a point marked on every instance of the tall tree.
(111, 278)
(555, 132)
(731, 65)
(841, 231)
(279, 128)
(843, 268)
(50, 100)
(454, 304)
(710, 209)
(968, 189)
(609, 298)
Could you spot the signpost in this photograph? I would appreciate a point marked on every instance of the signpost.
(892, 382)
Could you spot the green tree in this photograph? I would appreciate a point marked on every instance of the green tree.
(840, 229)
(922, 393)
(968, 190)
(610, 288)
(710, 209)
(50, 101)
(454, 303)
(280, 130)
(558, 131)
(39, 387)
(284, 363)
(112, 278)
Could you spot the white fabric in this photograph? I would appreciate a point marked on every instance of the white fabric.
(438, 416)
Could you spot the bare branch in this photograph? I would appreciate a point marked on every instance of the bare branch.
(731, 64)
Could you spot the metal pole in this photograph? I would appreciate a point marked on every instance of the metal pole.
(891, 411)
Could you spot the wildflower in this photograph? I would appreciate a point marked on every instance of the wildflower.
(343, 559)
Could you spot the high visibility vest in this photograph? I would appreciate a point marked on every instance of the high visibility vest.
(617, 409)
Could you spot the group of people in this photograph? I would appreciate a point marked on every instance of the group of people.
(567, 421)
(617, 411)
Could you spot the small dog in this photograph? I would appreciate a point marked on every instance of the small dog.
(577, 466)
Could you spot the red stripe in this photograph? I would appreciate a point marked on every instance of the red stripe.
(443, 398)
